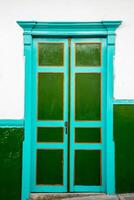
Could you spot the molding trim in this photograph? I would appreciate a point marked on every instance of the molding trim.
(69, 28)
(123, 101)
(11, 123)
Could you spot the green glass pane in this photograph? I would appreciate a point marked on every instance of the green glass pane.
(51, 54)
(87, 135)
(50, 96)
(87, 167)
(50, 134)
(50, 167)
(88, 54)
(88, 95)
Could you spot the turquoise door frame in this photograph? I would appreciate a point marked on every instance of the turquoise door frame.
(103, 29)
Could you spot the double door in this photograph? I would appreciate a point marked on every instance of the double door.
(68, 115)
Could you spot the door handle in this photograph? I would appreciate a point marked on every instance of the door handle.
(66, 127)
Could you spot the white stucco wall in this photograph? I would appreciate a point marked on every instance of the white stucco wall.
(11, 43)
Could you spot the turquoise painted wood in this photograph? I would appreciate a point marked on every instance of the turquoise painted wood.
(110, 152)
(105, 29)
(11, 123)
(99, 28)
(123, 101)
(26, 154)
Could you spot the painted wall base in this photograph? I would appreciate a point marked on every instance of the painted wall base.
(11, 155)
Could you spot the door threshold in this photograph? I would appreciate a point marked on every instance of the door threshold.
(60, 196)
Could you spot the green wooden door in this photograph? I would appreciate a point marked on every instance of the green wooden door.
(68, 115)
(87, 115)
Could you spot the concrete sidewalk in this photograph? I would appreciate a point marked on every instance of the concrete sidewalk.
(81, 196)
(128, 196)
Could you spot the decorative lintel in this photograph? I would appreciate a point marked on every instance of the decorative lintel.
(69, 28)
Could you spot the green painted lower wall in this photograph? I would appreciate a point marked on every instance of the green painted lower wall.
(10, 163)
(124, 147)
(11, 155)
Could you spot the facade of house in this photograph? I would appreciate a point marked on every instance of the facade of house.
(67, 113)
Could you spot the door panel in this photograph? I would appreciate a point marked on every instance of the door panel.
(87, 96)
(50, 112)
(68, 115)
(50, 96)
(49, 167)
(87, 135)
(88, 54)
(87, 118)
(51, 54)
(50, 134)
(87, 167)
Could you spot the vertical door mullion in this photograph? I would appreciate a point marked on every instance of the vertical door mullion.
(34, 114)
(72, 115)
(66, 114)
(104, 108)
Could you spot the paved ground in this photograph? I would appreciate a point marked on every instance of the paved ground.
(80, 196)
(129, 196)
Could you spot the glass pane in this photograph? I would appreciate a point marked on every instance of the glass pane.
(88, 96)
(88, 54)
(51, 54)
(50, 96)
(49, 134)
(49, 167)
(87, 167)
(87, 135)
